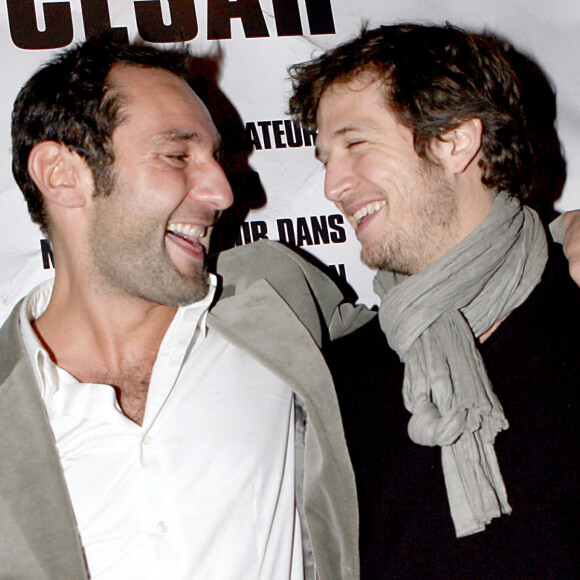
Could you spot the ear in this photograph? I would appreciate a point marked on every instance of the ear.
(62, 176)
(458, 148)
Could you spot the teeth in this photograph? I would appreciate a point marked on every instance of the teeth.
(368, 209)
(187, 230)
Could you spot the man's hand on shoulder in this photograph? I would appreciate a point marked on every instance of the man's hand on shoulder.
(571, 227)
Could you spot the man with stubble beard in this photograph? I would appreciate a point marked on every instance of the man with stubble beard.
(459, 399)
(159, 421)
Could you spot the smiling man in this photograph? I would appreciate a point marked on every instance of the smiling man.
(159, 421)
(147, 216)
(408, 229)
(460, 411)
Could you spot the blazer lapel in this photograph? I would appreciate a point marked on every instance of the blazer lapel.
(259, 321)
(37, 524)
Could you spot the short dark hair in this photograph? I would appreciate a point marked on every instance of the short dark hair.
(435, 78)
(69, 100)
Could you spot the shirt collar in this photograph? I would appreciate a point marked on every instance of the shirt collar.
(32, 307)
(47, 373)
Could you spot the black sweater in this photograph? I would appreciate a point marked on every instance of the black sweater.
(533, 361)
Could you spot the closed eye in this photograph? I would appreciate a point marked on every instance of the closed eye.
(178, 160)
(219, 152)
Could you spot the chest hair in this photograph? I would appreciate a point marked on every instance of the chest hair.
(131, 386)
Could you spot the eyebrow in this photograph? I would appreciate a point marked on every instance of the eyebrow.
(338, 133)
(177, 135)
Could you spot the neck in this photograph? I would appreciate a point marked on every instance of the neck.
(84, 329)
(474, 202)
(100, 339)
(484, 336)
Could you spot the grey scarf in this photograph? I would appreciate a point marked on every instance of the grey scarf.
(431, 320)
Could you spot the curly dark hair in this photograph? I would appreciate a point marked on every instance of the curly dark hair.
(435, 78)
(69, 100)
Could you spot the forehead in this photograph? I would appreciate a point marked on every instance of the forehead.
(156, 101)
(359, 97)
(357, 105)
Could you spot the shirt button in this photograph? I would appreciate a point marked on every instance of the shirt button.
(162, 527)
(146, 440)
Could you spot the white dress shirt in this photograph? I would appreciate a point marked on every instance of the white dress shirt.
(204, 488)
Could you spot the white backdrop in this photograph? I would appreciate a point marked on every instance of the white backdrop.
(266, 37)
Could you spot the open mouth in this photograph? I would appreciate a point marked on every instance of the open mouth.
(188, 237)
(187, 231)
(368, 209)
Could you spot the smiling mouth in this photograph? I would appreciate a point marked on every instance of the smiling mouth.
(368, 209)
(188, 232)
(188, 237)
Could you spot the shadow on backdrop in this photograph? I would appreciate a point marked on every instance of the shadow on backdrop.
(248, 191)
(539, 103)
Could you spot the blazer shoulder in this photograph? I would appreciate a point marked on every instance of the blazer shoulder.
(12, 348)
(300, 283)
(262, 259)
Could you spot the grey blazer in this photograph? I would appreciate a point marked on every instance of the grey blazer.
(275, 306)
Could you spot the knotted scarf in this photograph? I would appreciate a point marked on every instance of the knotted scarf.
(432, 319)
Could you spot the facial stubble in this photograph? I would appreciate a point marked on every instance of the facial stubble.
(409, 249)
(130, 257)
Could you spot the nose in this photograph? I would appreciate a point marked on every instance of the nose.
(339, 179)
(209, 184)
